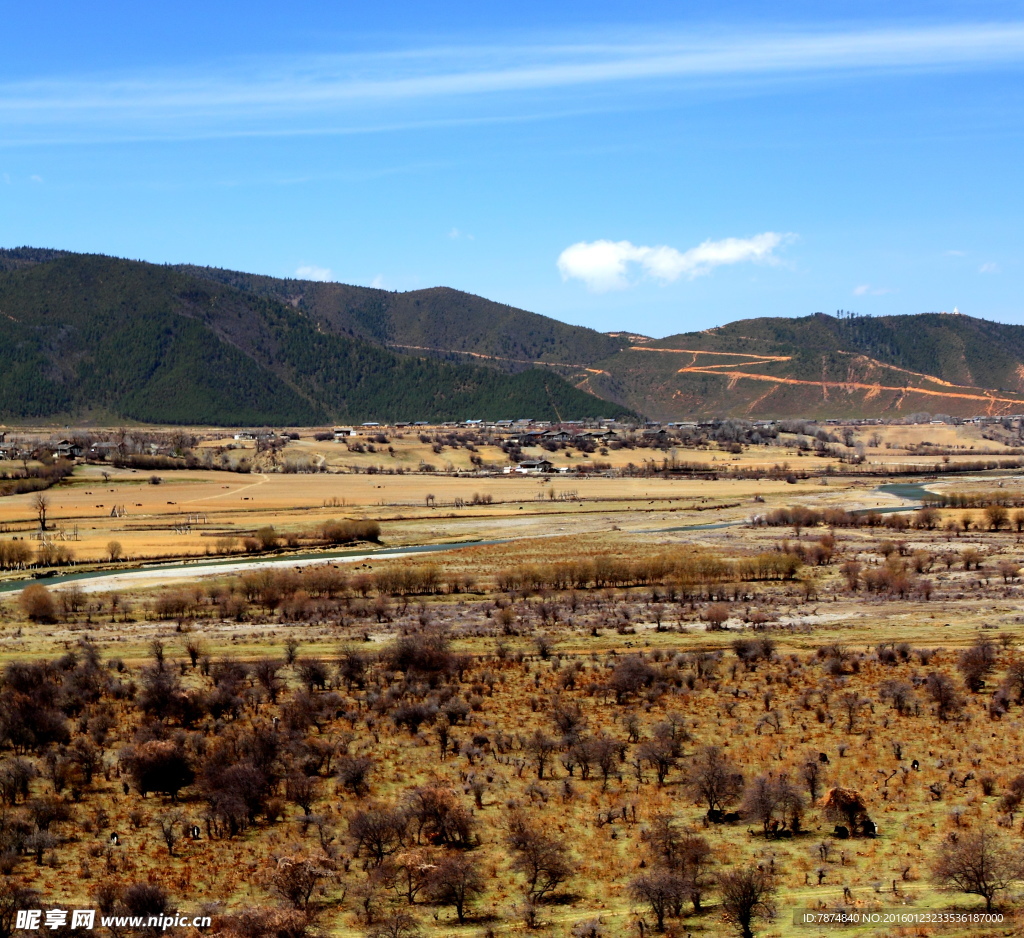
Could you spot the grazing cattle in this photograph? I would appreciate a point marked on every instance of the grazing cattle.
(715, 816)
(823, 758)
(193, 832)
(115, 840)
(868, 826)
(915, 765)
(730, 817)
(841, 831)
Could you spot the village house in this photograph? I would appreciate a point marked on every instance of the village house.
(102, 451)
(532, 467)
(67, 449)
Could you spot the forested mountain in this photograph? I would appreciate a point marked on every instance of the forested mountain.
(89, 335)
(440, 321)
(86, 334)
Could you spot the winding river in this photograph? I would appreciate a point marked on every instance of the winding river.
(115, 579)
(96, 580)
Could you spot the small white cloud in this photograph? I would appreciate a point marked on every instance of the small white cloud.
(455, 234)
(378, 282)
(34, 178)
(954, 253)
(312, 272)
(989, 268)
(865, 289)
(605, 265)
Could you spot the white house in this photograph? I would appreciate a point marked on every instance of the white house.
(534, 467)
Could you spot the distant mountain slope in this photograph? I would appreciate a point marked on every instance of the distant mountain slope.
(85, 334)
(825, 366)
(439, 321)
(954, 348)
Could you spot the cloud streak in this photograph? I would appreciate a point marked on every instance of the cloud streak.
(286, 90)
(610, 265)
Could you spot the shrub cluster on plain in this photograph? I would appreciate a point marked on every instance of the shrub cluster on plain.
(480, 768)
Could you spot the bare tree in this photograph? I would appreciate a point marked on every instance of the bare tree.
(37, 603)
(295, 879)
(456, 880)
(13, 898)
(302, 790)
(852, 703)
(713, 779)
(171, 828)
(396, 924)
(979, 864)
(542, 859)
(812, 775)
(775, 802)
(381, 830)
(687, 856)
(944, 695)
(541, 748)
(663, 892)
(662, 753)
(353, 774)
(901, 693)
(40, 505)
(975, 663)
(716, 616)
(748, 896)
(997, 516)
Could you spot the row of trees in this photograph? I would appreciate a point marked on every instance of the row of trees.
(995, 517)
(688, 572)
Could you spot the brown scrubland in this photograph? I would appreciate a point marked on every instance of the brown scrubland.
(616, 714)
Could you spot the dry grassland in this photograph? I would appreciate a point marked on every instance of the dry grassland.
(495, 713)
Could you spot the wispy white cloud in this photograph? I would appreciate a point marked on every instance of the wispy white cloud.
(607, 265)
(378, 282)
(286, 90)
(954, 253)
(865, 289)
(35, 178)
(989, 268)
(455, 234)
(312, 272)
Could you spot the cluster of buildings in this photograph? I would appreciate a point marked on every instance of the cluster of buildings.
(62, 449)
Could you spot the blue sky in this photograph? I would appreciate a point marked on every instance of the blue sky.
(657, 167)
